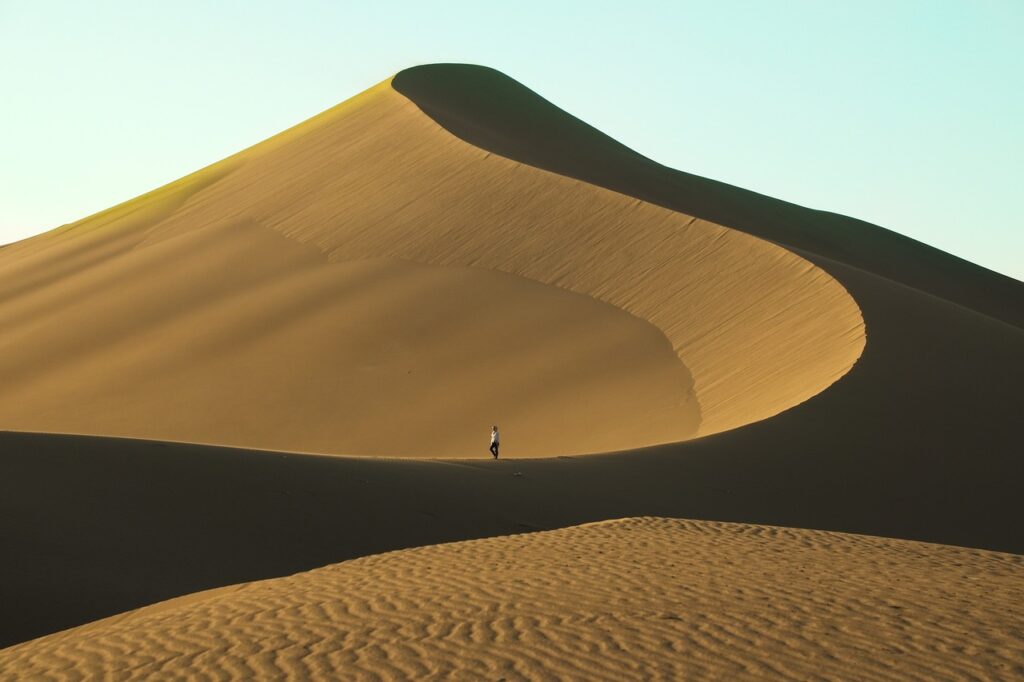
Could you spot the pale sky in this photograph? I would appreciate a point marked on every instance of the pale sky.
(906, 114)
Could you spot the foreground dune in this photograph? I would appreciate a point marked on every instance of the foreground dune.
(100, 526)
(643, 598)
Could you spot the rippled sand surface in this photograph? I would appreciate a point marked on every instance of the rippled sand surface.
(641, 598)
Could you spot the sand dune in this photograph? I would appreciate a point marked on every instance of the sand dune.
(284, 350)
(333, 290)
(101, 526)
(492, 111)
(639, 598)
(221, 309)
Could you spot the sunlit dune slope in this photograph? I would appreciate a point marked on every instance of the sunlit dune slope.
(285, 351)
(642, 598)
(369, 283)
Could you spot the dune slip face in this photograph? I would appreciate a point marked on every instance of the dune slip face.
(642, 598)
(284, 298)
(495, 112)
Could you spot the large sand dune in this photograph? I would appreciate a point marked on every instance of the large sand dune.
(494, 112)
(633, 599)
(231, 307)
(448, 250)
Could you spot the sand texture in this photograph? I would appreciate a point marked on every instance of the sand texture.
(446, 251)
(642, 598)
(101, 526)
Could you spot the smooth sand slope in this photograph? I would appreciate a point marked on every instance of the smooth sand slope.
(334, 290)
(494, 112)
(643, 598)
(919, 439)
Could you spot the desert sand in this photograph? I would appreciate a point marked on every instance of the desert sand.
(377, 286)
(643, 598)
(256, 304)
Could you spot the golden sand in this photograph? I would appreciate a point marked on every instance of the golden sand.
(371, 283)
(281, 299)
(643, 598)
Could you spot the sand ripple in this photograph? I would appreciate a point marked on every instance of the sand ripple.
(642, 598)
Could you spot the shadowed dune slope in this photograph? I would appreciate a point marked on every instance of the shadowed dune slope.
(639, 598)
(231, 307)
(491, 110)
(101, 525)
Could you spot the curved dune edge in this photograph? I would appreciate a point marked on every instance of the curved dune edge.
(636, 598)
(759, 328)
(280, 349)
(492, 111)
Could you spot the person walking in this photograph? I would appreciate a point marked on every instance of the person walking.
(495, 440)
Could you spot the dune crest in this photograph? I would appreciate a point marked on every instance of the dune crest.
(448, 247)
(636, 598)
(123, 297)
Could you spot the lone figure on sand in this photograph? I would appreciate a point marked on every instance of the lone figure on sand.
(495, 440)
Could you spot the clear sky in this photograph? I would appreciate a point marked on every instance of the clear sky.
(906, 114)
